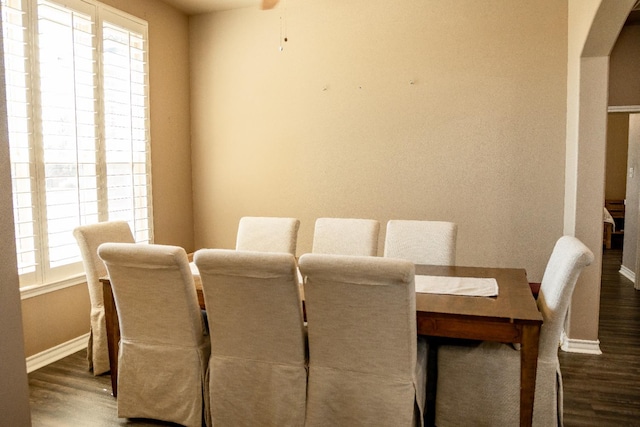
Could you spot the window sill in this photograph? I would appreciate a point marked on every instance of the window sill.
(27, 292)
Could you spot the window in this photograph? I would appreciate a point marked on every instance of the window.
(77, 101)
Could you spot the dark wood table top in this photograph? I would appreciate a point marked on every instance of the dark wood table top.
(514, 301)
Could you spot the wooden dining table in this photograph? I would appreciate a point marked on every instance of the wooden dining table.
(510, 317)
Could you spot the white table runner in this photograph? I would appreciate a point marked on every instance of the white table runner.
(466, 286)
(194, 269)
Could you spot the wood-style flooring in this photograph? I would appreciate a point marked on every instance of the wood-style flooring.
(66, 394)
(601, 390)
(604, 390)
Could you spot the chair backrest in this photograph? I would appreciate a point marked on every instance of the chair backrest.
(567, 260)
(89, 237)
(361, 314)
(346, 236)
(253, 299)
(422, 242)
(267, 234)
(154, 292)
(257, 369)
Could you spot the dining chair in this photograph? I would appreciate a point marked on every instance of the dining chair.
(258, 361)
(479, 383)
(346, 236)
(367, 366)
(422, 242)
(267, 234)
(89, 237)
(164, 346)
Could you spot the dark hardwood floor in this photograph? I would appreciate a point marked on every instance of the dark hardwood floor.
(66, 394)
(604, 390)
(599, 390)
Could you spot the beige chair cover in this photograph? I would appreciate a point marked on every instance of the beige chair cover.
(89, 237)
(367, 366)
(164, 348)
(422, 242)
(346, 236)
(479, 384)
(267, 234)
(257, 369)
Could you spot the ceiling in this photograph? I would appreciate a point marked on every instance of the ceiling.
(194, 7)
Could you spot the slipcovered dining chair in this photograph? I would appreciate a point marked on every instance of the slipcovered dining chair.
(422, 242)
(346, 236)
(257, 368)
(267, 234)
(89, 237)
(164, 347)
(367, 366)
(479, 383)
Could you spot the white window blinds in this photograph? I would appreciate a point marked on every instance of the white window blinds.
(125, 115)
(17, 81)
(78, 128)
(68, 129)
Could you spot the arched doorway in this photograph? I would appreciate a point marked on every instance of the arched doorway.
(593, 30)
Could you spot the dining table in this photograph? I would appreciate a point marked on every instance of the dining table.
(511, 316)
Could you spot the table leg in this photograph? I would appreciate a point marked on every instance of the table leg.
(528, 367)
(432, 382)
(113, 334)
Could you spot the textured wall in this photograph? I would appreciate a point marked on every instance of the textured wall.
(624, 68)
(14, 392)
(331, 125)
(617, 143)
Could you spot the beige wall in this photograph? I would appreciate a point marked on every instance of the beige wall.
(580, 18)
(617, 148)
(57, 317)
(331, 126)
(624, 68)
(14, 392)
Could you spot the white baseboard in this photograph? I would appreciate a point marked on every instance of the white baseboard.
(56, 353)
(571, 345)
(628, 273)
(624, 109)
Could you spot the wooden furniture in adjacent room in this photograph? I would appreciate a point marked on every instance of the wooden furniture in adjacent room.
(616, 210)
